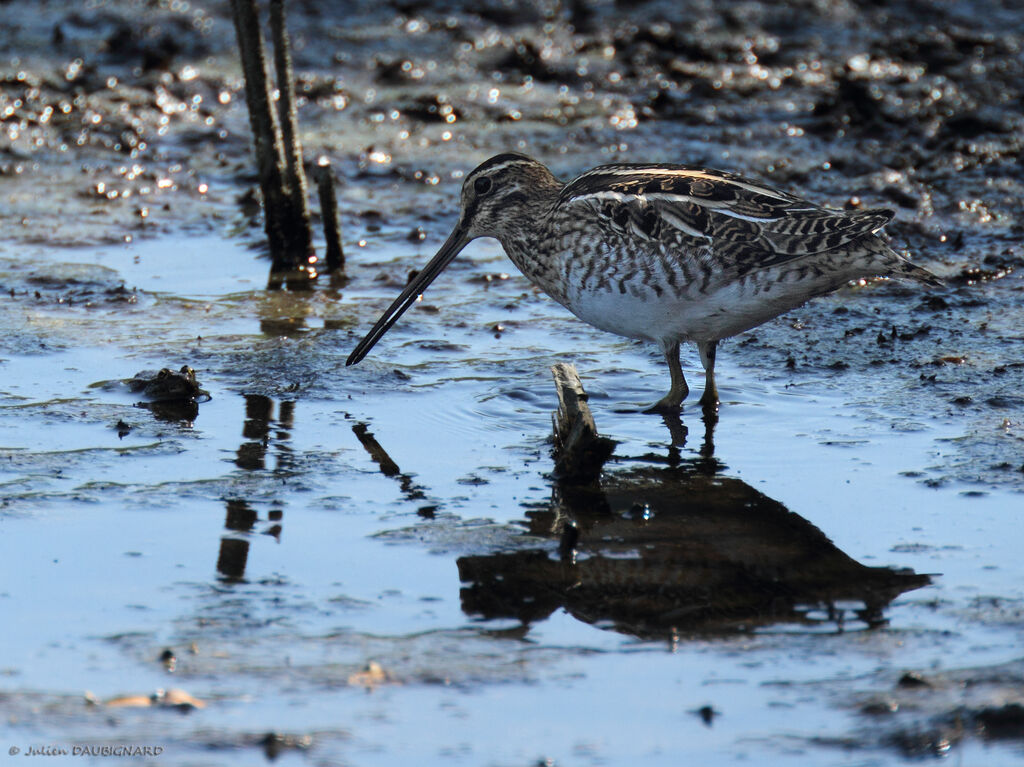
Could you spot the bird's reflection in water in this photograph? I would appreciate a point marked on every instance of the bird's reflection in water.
(665, 551)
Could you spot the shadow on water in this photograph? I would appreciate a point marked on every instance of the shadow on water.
(663, 551)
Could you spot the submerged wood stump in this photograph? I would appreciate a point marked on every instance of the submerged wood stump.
(580, 452)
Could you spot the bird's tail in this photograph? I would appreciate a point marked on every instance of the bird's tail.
(898, 266)
(905, 270)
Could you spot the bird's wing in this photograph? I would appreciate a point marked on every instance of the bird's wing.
(744, 224)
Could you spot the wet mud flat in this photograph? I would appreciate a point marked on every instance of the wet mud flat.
(371, 565)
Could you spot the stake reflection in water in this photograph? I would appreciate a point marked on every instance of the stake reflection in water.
(261, 429)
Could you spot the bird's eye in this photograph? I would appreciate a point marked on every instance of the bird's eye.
(482, 185)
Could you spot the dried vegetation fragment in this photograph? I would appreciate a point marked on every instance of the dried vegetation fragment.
(172, 698)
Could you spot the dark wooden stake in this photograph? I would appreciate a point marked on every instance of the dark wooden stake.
(580, 452)
(335, 256)
(295, 174)
(288, 232)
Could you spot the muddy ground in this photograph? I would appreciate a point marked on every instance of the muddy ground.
(843, 542)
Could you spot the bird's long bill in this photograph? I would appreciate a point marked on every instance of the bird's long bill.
(451, 248)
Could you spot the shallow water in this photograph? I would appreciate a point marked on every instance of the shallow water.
(265, 534)
(854, 514)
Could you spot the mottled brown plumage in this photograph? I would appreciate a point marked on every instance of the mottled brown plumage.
(667, 253)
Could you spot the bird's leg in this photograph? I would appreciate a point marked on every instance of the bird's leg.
(677, 393)
(708, 349)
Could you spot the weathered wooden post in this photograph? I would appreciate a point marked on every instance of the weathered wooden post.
(295, 174)
(278, 153)
(334, 255)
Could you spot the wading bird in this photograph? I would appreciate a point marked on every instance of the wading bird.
(664, 253)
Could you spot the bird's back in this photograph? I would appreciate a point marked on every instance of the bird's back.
(676, 235)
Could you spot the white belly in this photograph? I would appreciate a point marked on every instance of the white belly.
(692, 316)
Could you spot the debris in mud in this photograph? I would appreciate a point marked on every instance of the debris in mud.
(274, 744)
(170, 395)
(169, 660)
(928, 715)
(880, 707)
(973, 274)
(1006, 721)
(487, 279)
(707, 714)
(173, 698)
(372, 675)
(71, 285)
(435, 108)
(912, 679)
(167, 385)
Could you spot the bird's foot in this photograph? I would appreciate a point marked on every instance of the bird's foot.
(709, 399)
(666, 405)
(709, 403)
(671, 402)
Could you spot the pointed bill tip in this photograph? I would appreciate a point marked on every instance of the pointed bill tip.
(451, 248)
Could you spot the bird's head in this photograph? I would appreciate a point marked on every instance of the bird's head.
(501, 197)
